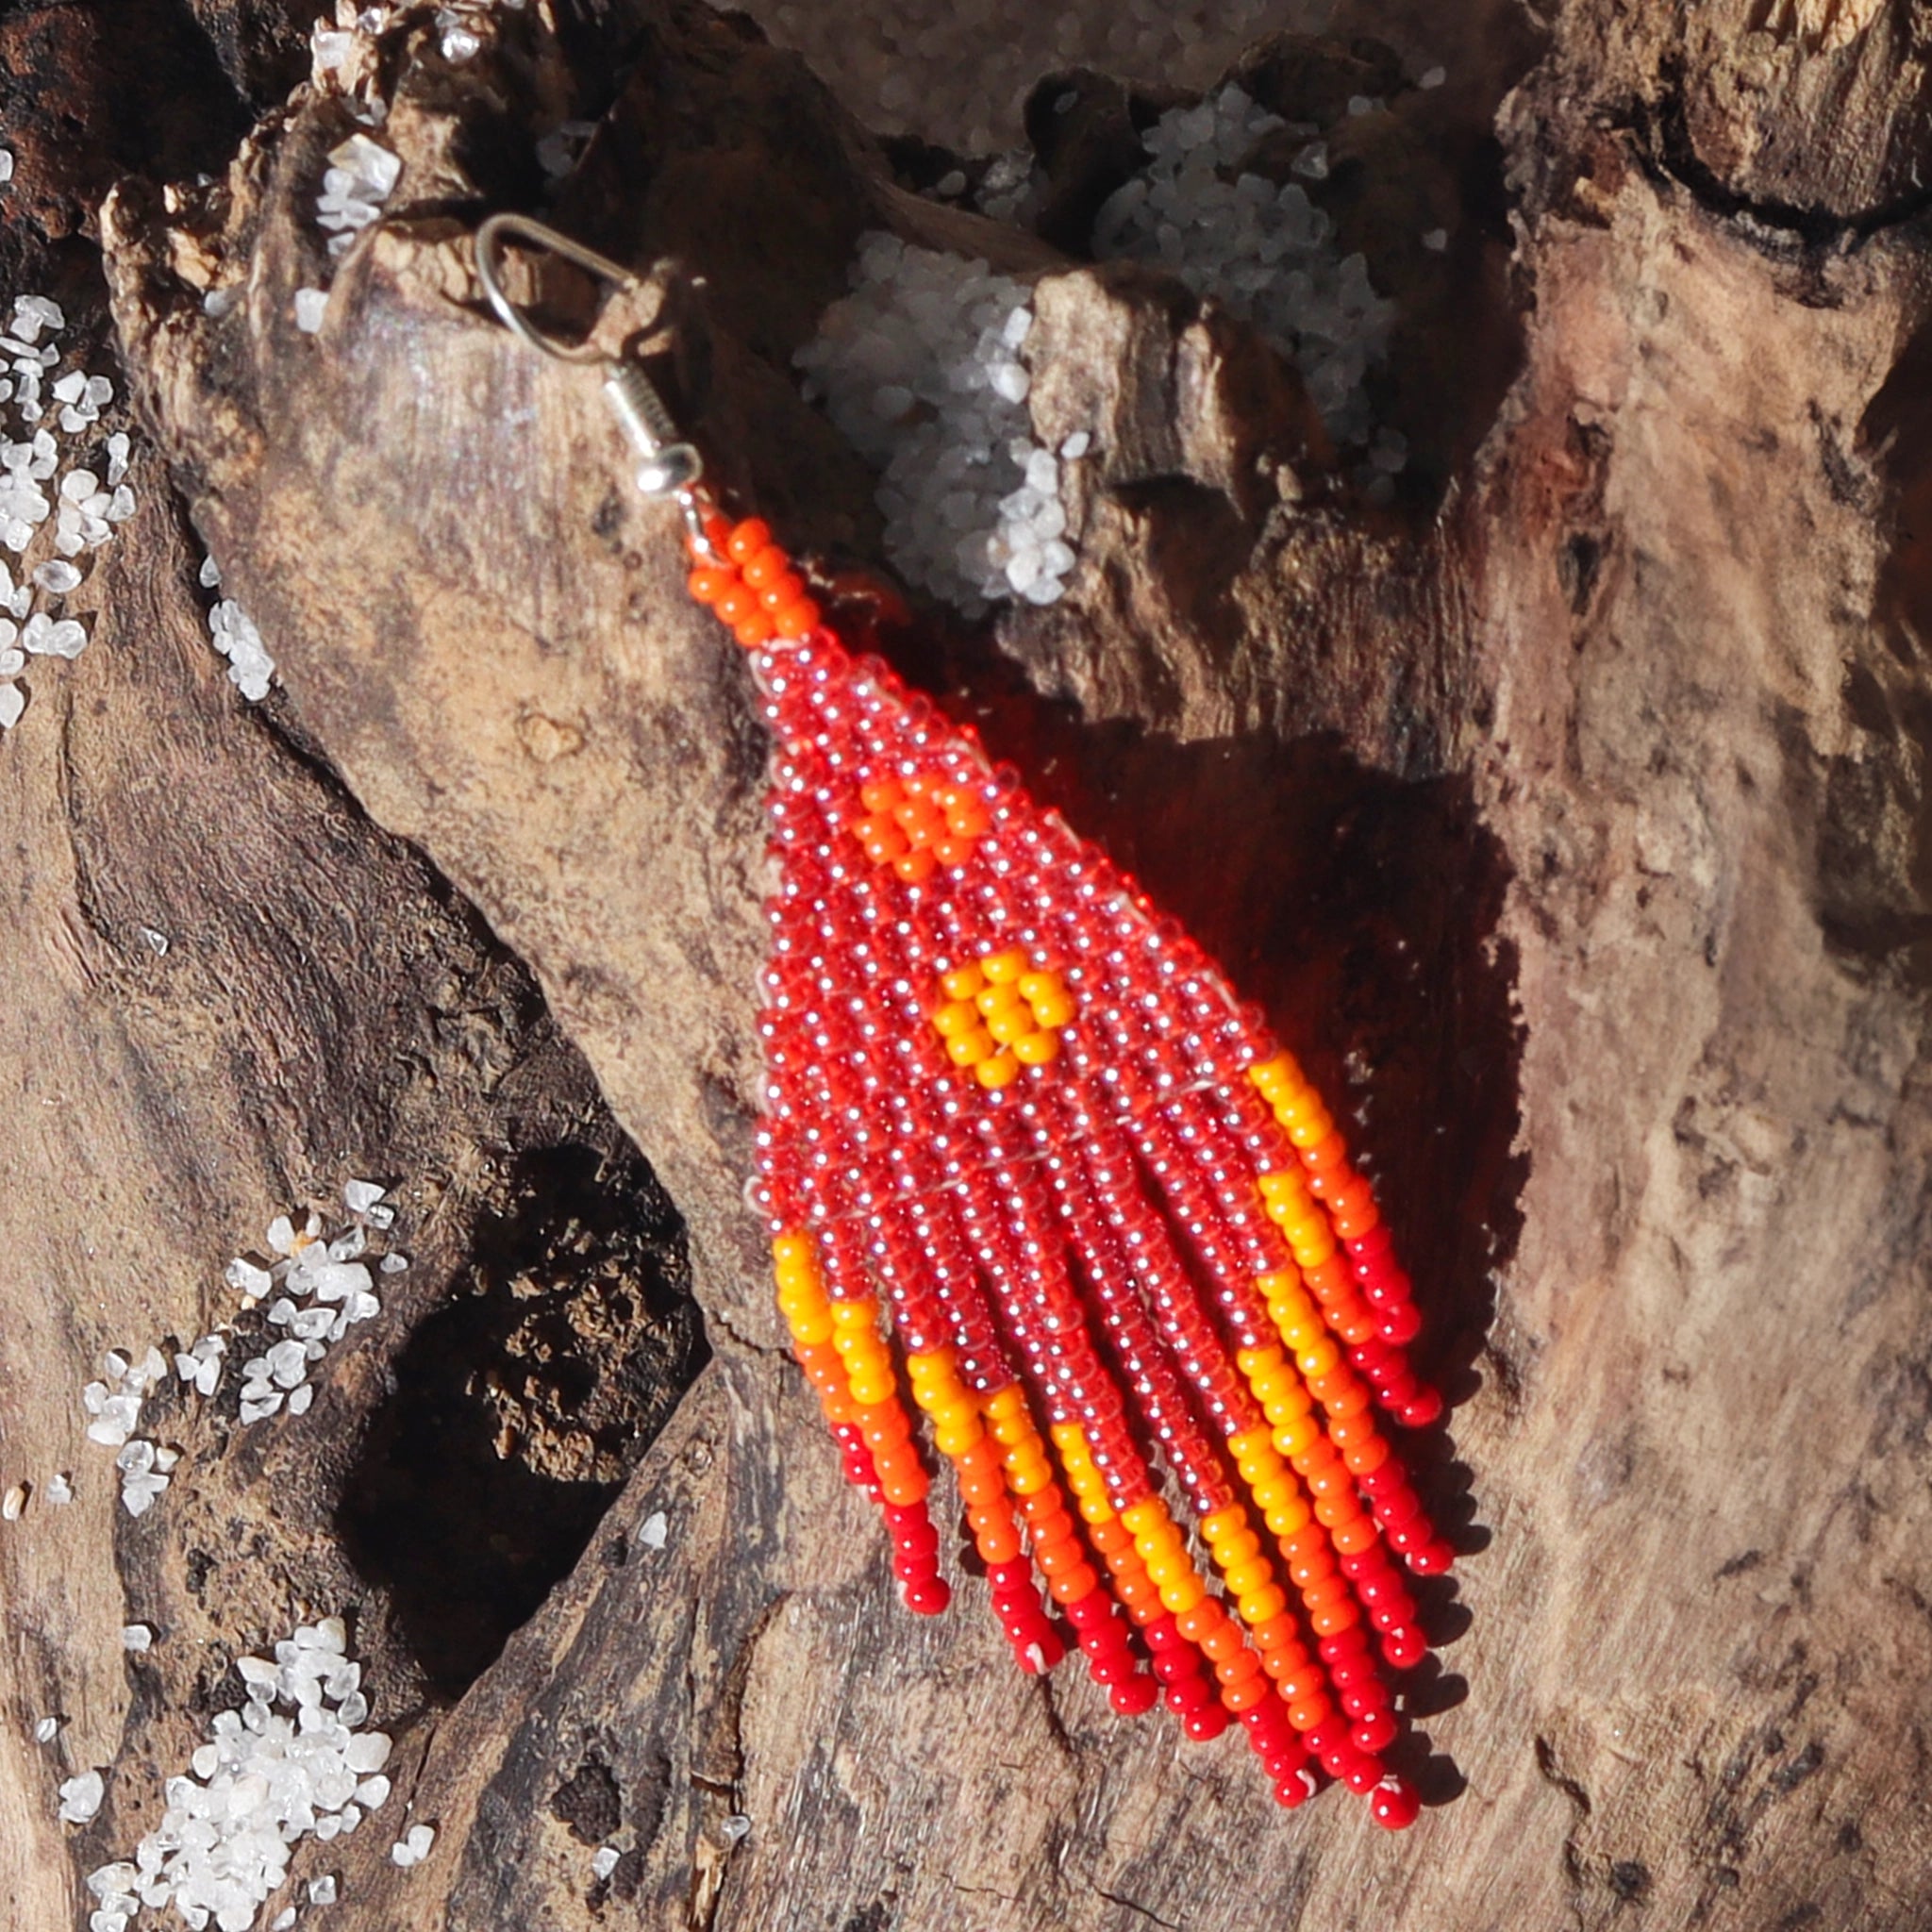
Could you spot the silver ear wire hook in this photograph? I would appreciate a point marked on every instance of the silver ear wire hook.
(671, 466)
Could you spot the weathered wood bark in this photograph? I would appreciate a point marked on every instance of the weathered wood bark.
(1570, 817)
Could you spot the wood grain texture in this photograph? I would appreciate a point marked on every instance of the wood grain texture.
(1570, 818)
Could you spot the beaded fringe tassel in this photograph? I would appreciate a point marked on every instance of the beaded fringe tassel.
(1017, 1123)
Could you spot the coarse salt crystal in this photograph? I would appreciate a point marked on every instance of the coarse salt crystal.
(81, 1797)
(604, 1861)
(137, 1637)
(413, 1847)
(13, 1502)
(310, 306)
(656, 1531)
(46, 1730)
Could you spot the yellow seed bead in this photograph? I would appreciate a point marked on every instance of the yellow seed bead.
(970, 1049)
(1243, 1547)
(1316, 1361)
(1009, 1401)
(1258, 1361)
(1272, 1072)
(1297, 1101)
(1310, 1131)
(1302, 1336)
(952, 1443)
(999, 998)
(1224, 1523)
(1038, 986)
(1244, 1579)
(1271, 1388)
(1293, 1438)
(963, 982)
(1054, 1011)
(863, 1313)
(1155, 1545)
(1004, 968)
(1180, 1597)
(1036, 1049)
(1001, 1071)
(1069, 1439)
(1168, 1566)
(1282, 1185)
(1274, 1493)
(1095, 1509)
(1290, 1519)
(956, 1017)
(808, 1331)
(1249, 1443)
(791, 1247)
(870, 1389)
(1262, 1606)
(1143, 1515)
(1011, 1025)
(1026, 1482)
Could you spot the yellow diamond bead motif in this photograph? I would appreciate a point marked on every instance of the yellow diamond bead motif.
(1000, 1013)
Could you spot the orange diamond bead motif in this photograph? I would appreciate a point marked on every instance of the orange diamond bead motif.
(918, 824)
(1001, 1013)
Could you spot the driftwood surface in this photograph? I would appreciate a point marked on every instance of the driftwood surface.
(1569, 818)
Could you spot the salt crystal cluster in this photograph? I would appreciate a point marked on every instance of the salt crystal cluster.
(359, 177)
(293, 1762)
(113, 1409)
(325, 1289)
(919, 368)
(322, 1287)
(63, 490)
(1265, 253)
(232, 631)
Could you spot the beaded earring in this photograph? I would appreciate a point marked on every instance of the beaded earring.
(1026, 1157)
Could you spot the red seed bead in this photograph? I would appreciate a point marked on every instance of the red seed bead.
(1375, 1731)
(1422, 1410)
(754, 630)
(1357, 1769)
(1133, 1695)
(707, 584)
(1395, 1804)
(1400, 1325)
(929, 1596)
(1206, 1725)
(1405, 1648)
(1326, 1738)
(1435, 1558)
(747, 538)
(1296, 1788)
(736, 603)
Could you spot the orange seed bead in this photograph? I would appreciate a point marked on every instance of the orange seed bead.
(747, 538)
(766, 564)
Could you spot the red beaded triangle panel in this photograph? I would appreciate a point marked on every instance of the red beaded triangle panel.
(1025, 1158)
